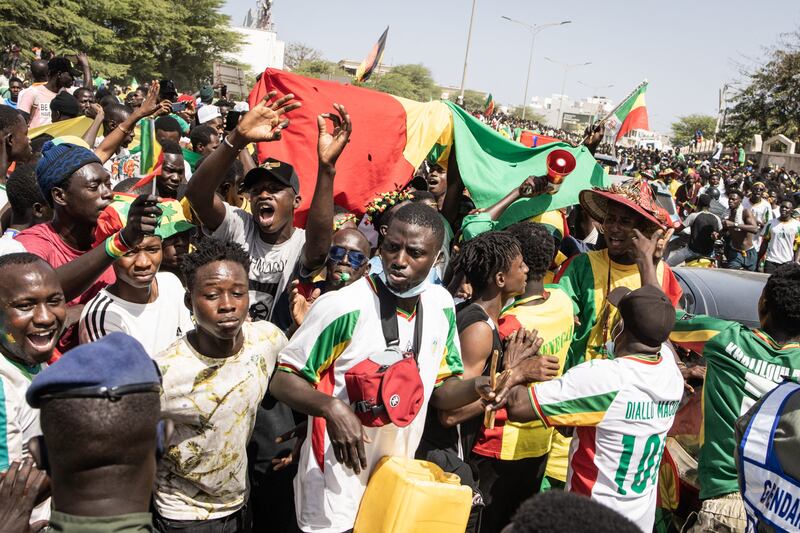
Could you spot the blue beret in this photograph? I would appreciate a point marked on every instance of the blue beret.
(108, 368)
(58, 162)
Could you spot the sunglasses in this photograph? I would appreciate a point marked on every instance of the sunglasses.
(354, 258)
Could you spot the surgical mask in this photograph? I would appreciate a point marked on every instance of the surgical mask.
(410, 293)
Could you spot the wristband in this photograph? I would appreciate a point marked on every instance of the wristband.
(126, 132)
(226, 141)
(115, 246)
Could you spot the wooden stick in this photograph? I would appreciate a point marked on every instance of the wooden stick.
(488, 417)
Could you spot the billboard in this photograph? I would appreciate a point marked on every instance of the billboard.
(233, 77)
(575, 122)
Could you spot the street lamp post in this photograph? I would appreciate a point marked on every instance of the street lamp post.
(534, 31)
(466, 54)
(567, 68)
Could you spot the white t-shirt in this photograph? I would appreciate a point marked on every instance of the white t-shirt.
(156, 325)
(36, 101)
(783, 237)
(19, 422)
(622, 409)
(343, 329)
(8, 245)
(272, 264)
(213, 403)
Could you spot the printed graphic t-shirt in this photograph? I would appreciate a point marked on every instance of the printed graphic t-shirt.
(272, 265)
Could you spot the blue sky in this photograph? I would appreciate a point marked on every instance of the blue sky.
(686, 49)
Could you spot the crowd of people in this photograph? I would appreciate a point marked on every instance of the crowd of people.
(178, 355)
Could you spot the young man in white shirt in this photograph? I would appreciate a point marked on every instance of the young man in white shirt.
(32, 316)
(781, 243)
(214, 379)
(345, 328)
(142, 302)
(279, 250)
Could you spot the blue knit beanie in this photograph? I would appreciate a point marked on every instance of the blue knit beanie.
(58, 163)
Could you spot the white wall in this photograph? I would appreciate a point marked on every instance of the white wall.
(261, 49)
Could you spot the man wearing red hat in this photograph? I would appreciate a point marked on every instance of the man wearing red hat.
(589, 277)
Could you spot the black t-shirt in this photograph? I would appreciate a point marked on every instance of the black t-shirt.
(702, 225)
(436, 436)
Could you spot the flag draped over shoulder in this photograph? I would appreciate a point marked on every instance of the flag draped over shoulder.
(391, 137)
(367, 66)
(491, 166)
(631, 114)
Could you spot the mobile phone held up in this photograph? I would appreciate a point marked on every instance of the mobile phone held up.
(232, 119)
(177, 107)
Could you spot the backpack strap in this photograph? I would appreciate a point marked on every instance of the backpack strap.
(388, 309)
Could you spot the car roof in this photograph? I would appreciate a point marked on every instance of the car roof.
(726, 294)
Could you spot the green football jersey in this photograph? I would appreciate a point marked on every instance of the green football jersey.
(742, 366)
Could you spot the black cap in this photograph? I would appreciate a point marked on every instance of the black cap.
(58, 65)
(275, 170)
(66, 104)
(647, 313)
(167, 90)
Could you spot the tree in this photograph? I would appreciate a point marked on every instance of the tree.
(297, 53)
(530, 114)
(408, 81)
(126, 38)
(769, 103)
(319, 68)
(684, 128)
(473, 100)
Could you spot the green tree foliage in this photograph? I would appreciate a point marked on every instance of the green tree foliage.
(769, 103)
(125, 38)
(297, 53)
(530, 114)
(319, 68)
(409, 81)
(684, 128)
(473, 100)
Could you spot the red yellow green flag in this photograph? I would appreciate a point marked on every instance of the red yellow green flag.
(488, 106)
(630, 115)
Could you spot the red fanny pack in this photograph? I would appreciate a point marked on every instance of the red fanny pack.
(387, 389)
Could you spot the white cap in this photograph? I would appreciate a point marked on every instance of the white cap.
(241, 107)
(207, 112)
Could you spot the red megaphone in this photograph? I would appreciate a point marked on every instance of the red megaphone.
(559, 164)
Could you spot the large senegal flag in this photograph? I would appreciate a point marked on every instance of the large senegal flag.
(391, 137)
(491, 166)
(631, 114)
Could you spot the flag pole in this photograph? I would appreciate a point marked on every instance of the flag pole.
(621, 102)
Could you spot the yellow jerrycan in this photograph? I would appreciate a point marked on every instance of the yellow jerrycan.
(410, 496)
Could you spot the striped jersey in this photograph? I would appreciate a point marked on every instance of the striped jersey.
(554, 321)
(741, 366)
(19, 422)
(341, 330)
(588, 278)
(622, 409)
